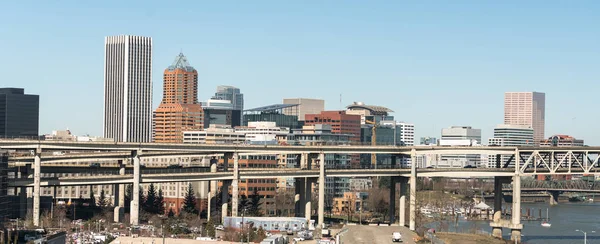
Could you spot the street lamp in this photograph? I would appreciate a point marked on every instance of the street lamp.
(585, 235)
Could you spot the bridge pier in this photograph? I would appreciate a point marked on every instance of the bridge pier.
(37, 168)
(516, 226)
(496, 229)
(234, 186)
(402, 210)
(212, 191)
(119, 203)
(321, 206)
(224, 199)
(392, 207)
(413, 191)
(134, 212)
(554, 197)
(299, 185)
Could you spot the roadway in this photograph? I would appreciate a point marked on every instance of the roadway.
(364, 234)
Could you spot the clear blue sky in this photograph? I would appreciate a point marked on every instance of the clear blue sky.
(436, 64)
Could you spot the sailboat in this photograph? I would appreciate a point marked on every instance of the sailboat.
(546, 223)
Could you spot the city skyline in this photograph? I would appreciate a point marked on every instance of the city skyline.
(283, 50)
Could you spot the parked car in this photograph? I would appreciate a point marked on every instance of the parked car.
(396, 237)
(219, 227)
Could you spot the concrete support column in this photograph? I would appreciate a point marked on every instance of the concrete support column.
(121, 195)
(134, 212)
(235, 186)
(413, 191)
(402, 217)
(516, 210)
(212, 190)
(321, 207)
(308, 198)
(224, 199)
(496, 229)
(299, 184)
(392, 207)
(37, 166)
(304, 161)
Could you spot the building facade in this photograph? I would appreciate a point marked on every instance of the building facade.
(274, 113)
(430, 141)
(510, 135)
(179, 109)
(221, 112)
(233, 95)
(305, 106)
(460, 136)
(128, 88)
(526, 108)
(19, 113)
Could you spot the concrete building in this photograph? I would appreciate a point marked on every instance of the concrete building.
(179, 109)
(274, 113)
(264, 133)
(349, 203)
(526, 108)
(234, 95)
(510, 135)
(221, 112)
(66, 135)
(360, 184)
(460, 136)
(128, 88)
(4, 198)
(215, 134)
(305, 106)
(19, 113)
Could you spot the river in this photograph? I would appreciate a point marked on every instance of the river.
(565, 218)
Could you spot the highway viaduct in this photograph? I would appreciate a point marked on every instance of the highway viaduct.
(523, 161)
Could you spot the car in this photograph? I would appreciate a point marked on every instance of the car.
(219, 227)
(396, 237)
(469, 167)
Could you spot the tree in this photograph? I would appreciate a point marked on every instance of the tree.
(141, 198)
(102, 201)
(159, 203)
(150, 201)
(255, 203)
(171, 213)
(189, 202)
(210, 228)
(92, 199)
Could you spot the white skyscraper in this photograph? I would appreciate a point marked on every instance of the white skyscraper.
(128, 88)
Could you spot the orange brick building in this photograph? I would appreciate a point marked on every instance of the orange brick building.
(179, 109)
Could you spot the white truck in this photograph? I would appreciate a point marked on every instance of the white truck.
(396, 237)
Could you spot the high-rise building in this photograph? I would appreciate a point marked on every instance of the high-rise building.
(510, 135)
(128, 88)
(19, 113)
(220, 112)
(233, 95)
(179, 109)
(305, 106)
(526, 108)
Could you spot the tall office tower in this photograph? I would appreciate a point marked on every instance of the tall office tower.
(19, 113)
(179, 109)
(128, 88)
(526, 108)
(232, 94)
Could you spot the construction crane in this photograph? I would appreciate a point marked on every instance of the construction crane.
(373, 140)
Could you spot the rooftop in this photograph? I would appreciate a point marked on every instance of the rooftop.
(373, 108)
(181, 62)
(270, 108)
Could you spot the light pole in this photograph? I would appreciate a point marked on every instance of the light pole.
(585, 235)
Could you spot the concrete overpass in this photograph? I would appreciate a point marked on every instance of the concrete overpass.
(526, 161)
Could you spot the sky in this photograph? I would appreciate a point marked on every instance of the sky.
(435, 63)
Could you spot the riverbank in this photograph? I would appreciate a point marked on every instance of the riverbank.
(459, 238)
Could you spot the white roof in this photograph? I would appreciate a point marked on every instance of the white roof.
(482, 205)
